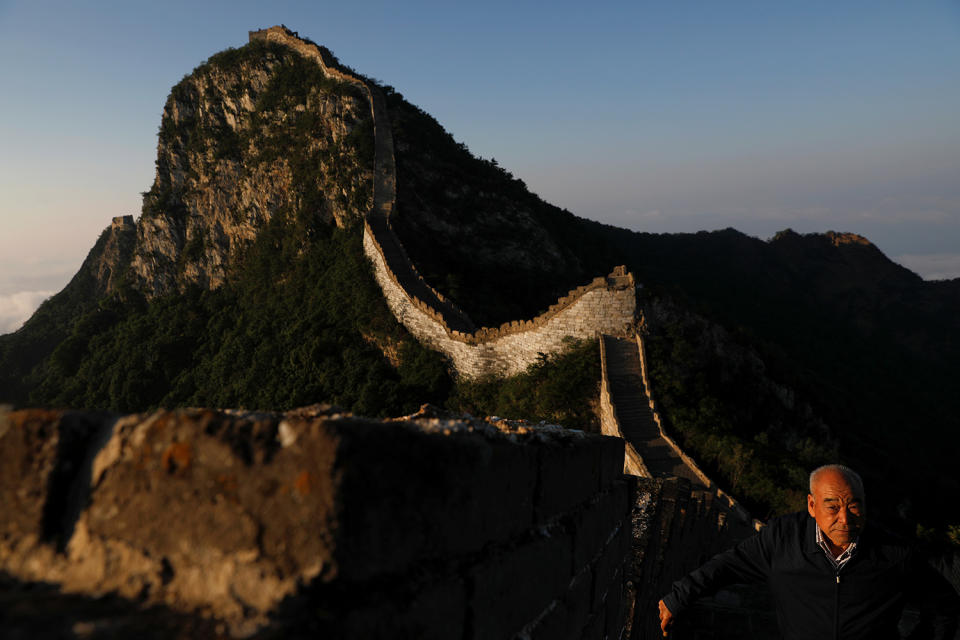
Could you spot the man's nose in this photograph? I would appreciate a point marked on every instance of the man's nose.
(844, 513)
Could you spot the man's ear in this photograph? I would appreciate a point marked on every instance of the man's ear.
(810, 505)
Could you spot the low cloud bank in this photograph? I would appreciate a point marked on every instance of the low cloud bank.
(15, 308)
(932, 266)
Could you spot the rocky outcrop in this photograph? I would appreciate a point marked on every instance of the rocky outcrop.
(252, 135)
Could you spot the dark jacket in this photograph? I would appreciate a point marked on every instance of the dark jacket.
(863, 600)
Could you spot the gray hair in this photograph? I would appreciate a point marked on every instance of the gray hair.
(851, 476)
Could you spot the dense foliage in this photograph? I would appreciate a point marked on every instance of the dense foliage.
(560, 389)
(300, 319)
(303, 323)
(749, 432)
(22, 353)
(504, 254)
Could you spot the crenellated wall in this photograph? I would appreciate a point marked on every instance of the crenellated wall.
(121, 222)
(729, 501)
(606, 305)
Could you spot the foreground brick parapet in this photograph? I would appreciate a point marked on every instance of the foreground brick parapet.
(440, 527)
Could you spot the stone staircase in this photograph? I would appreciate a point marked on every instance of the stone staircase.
(629, 396)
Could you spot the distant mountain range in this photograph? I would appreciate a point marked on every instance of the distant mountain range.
(243, 284)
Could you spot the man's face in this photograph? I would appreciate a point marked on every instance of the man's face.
(838, 510)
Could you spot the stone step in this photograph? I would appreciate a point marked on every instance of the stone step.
(629, 396)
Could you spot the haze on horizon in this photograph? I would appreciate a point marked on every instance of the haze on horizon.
(816, 116)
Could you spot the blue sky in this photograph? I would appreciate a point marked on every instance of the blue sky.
(659, 116)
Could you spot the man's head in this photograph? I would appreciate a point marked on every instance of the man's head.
(837, 502)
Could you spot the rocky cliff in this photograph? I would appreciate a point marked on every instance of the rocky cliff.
(250, 135)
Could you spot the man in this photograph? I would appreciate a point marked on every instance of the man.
(829, 576)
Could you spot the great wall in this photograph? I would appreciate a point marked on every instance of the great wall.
(319, 523)
(606, 305)
(605, 309)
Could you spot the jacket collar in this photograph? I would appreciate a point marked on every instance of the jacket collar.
(810, 545)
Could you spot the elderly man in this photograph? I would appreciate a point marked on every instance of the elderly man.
(830, 577)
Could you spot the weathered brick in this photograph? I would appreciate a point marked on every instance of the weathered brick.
(567, 616)
(584, 313)
(552, 623)
(591, 526)
(614, 606)
(435, 612)
(595, 523)
(43, 454)
(611, 462)
(626, 537)
(596, 627)
(607, 565)
(512, 588)
(442, 511)
(569, 476)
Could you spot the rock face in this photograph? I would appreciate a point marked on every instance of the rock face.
(252, 134)
(308, 522)
(110, 263)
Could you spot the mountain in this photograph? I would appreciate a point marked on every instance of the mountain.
(243, 283)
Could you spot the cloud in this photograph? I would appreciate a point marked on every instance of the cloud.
(15, 308)
(933, 266)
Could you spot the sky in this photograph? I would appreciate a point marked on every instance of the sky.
(660, 116)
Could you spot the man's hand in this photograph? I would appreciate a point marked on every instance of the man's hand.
(666, 618)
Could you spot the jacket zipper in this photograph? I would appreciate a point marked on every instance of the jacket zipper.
(836, 607)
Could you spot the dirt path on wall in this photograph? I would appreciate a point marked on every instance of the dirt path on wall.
(629, 396)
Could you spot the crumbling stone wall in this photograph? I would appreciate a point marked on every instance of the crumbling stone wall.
(311, 523)
(729, 501)
(675, 531)
(121, 222)
(606, 305)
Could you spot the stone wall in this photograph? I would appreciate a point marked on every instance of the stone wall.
(610, 422)
(675, 531)
(606, 305)
(284, 36)
(309, 523)
(121, 222)
(729, 501)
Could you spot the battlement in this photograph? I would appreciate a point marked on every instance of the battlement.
(605, 305)
(282, 35)
(119, 222)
